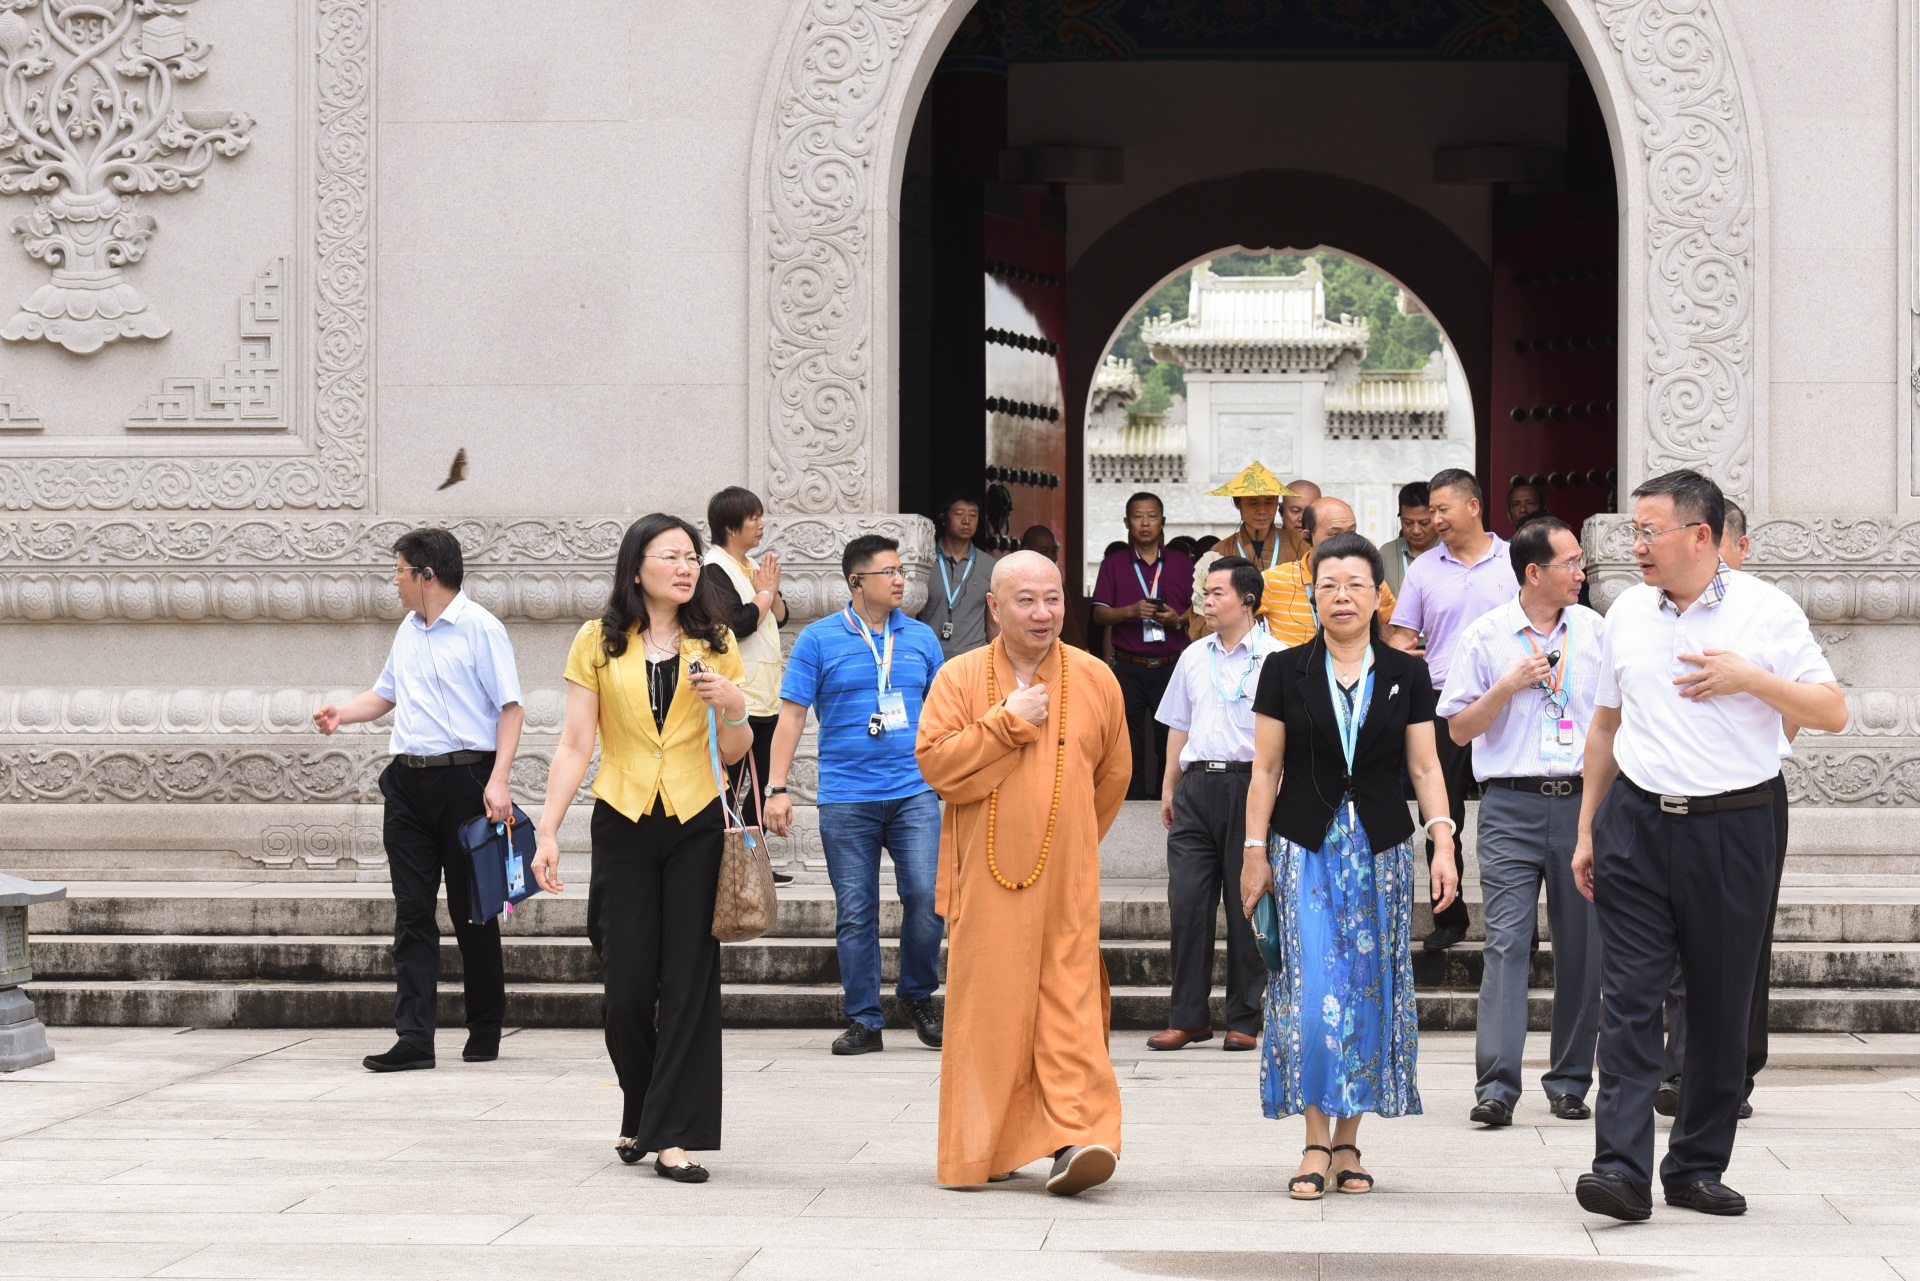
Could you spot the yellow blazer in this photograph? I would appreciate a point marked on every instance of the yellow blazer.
(640, 764)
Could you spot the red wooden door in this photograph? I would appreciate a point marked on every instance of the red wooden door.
(1026, 321)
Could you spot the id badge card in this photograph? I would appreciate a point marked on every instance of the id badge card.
(893, 711)
(516, 874)
(1557, 741)
(1151, 632)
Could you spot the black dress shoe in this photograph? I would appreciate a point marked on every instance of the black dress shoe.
(1666, 1099)
(1569, 1108)
(401, 1058)
(1491, 1113)
(1613, 1195)
(781, 878)
(629, 1149)
(483, 1046)
(1709, 1196)
(926, 1022)
(1746, 1109)
(1444, 937)
(858, 1039)
(685, 1172)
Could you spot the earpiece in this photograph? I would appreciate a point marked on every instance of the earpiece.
(1250, 601)
(427, 573)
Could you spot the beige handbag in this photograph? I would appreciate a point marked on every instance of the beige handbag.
(744, 906)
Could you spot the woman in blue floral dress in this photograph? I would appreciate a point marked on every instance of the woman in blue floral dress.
(1336, 720)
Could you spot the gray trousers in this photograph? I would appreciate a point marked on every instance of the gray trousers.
(1204, 858)
(1524, 839)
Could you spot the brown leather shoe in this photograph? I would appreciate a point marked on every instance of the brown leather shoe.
(1175, 1038)
(1241, 1041)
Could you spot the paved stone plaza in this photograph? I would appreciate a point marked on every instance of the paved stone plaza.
(264, 1154)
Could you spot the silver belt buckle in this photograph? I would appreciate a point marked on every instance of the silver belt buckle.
(1557, 787)
(1674, 805)
(1215, 767)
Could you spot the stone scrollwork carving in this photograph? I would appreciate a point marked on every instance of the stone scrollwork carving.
(88, 123)
(291, 569)
(1700, 220)
(320, 845)
(819, 233)
(191, 710)
(248, 394)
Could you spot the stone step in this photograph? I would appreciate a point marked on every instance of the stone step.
(564, 959)
(370, 1005)
(1129, 910)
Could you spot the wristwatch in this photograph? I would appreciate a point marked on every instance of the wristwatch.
(776, 791)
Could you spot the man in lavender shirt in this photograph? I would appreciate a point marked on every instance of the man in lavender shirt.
(1445, 592)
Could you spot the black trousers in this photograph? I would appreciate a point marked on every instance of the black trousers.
(1143, 688)
(1456, 768)
(650, 919)
(1203, 872)
(425, 808)
(762, 753)
(1757, 1009)
(1696, 888)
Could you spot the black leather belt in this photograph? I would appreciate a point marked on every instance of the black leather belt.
(1223, 767)
(441, 762)
(1746, 798)
(1544, 785)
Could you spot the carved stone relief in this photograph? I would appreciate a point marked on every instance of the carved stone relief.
(321, 845)
(87, 120)
(248, 394)
(15, 414)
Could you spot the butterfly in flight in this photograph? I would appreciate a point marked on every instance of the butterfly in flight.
(458, 472)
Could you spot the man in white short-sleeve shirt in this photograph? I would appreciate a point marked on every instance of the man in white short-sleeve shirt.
(1676, 846)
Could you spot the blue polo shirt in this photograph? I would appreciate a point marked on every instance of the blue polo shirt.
(833, 671)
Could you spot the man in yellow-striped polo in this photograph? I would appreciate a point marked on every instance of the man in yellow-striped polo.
(1287, 602)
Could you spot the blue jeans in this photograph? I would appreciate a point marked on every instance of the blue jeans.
(852, 833)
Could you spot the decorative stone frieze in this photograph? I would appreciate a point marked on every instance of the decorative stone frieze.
(294, 569)
(248, 394)
(186, 710)
(321, 845)
(88, 119)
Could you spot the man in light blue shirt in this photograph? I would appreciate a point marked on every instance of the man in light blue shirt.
(865, 671)
(1521, 689)
(452, 686)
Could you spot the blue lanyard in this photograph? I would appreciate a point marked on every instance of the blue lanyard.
(1350, 719)
(1146, 592)
(1213, 662)
(1554, 686)
(953, 593)
(884, 666)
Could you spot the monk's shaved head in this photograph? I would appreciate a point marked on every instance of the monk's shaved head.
(1019, 567)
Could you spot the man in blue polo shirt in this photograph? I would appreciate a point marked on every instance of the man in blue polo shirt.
(865, 671)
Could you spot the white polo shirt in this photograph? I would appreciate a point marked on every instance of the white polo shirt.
(449, 682)
(1674, 745)
(1514, 745)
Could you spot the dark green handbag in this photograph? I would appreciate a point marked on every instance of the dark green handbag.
(1266, 929)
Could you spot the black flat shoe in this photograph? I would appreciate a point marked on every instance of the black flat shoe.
(1315, 1183)
(401, 1058)
(1491, 1113)
(1746, 1109)
(1709, 1196)
(1613, 1195)
(859, 1039)
(685, 1172)
(1353, 1182)
(1569, 1108)
(482, 1047)
(927, 1024)
(629, 1150)
(781, 878)
(1666, 1099)
(1444, 937)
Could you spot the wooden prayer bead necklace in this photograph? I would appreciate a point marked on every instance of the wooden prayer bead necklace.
(1059, 776)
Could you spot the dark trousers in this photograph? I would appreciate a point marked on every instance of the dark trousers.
(1456, 768)
(1762, 978)
(650, 919)
(1203, 871)
(1692, 888)
(425, 808)
(1143, 688)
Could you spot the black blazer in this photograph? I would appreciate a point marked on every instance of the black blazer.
(1293, 689)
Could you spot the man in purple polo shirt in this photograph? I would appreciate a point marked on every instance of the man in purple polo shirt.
(1142, 593)
(1446, 591)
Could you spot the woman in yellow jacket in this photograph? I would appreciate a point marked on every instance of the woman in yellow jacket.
(657, 823)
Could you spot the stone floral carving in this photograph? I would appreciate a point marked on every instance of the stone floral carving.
(818, 231)
(248, 393)
(195, 570)
(87, 125)
(1700, 220)
(190, 710)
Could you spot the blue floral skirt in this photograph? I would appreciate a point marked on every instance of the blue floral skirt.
(1342, 1029)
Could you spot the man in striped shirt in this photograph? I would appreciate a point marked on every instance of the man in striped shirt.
(1287, 602)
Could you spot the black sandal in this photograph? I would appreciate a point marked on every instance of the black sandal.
(1316, 1182)
(629, 1149)
(685, 1172)
(1360, 1177)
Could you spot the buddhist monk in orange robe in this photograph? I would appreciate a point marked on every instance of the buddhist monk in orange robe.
(1032, 761)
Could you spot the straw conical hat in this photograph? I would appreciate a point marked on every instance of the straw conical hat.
(1255, 481)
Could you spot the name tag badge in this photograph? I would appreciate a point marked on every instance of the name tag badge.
(1152, 633)
(1556, 742)
(516, 874)
(893, 711)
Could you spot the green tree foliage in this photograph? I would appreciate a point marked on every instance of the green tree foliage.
(1395, 341)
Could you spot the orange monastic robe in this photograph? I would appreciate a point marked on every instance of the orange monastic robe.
(1025, 1069)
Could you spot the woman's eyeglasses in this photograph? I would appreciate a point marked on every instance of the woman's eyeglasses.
(676, 562)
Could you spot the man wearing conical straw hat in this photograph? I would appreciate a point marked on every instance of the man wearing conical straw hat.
(1262, 537)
